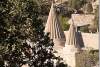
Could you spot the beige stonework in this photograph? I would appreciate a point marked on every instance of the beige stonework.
(82, 19)
(69, 55)
(53, 26)
(90, 40)
(68, 50)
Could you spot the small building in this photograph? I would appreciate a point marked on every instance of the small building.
(82, 19)
(53, 26)
(69, 43)
(84, 22)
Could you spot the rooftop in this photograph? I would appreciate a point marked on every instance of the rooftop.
(81, 19)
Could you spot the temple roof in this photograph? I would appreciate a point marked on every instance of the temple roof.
(53, 25)
(81, 19)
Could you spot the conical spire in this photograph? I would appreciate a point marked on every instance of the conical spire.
(71, 47)
(72, 35)
(53, 25)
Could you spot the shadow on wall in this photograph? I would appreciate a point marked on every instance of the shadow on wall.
(79, 39)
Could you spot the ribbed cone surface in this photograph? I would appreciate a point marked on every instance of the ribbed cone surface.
(53, 25)
(72, 35)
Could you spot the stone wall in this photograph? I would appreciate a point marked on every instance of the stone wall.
(90, 40)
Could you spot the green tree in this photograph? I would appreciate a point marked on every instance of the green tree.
(87, 58)
(21, 35)
(64, 23)
(76, 4)
(88, 8)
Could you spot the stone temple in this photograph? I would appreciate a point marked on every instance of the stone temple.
(69, 43)
(54, 27)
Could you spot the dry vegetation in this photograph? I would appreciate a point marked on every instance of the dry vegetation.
(87, 58)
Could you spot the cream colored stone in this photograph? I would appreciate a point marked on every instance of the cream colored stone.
(69, 55)
(53, 26)
(90, 40)
(81, 19)
(69, 49)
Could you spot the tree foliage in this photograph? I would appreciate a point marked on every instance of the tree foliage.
(65, 25)
(87, 58)
(22, 35)
(88, 8)
(76, 4)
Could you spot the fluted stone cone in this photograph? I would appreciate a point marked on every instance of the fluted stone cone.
(70, 49)
(72, 35)
(53, 26)
(72, 43)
